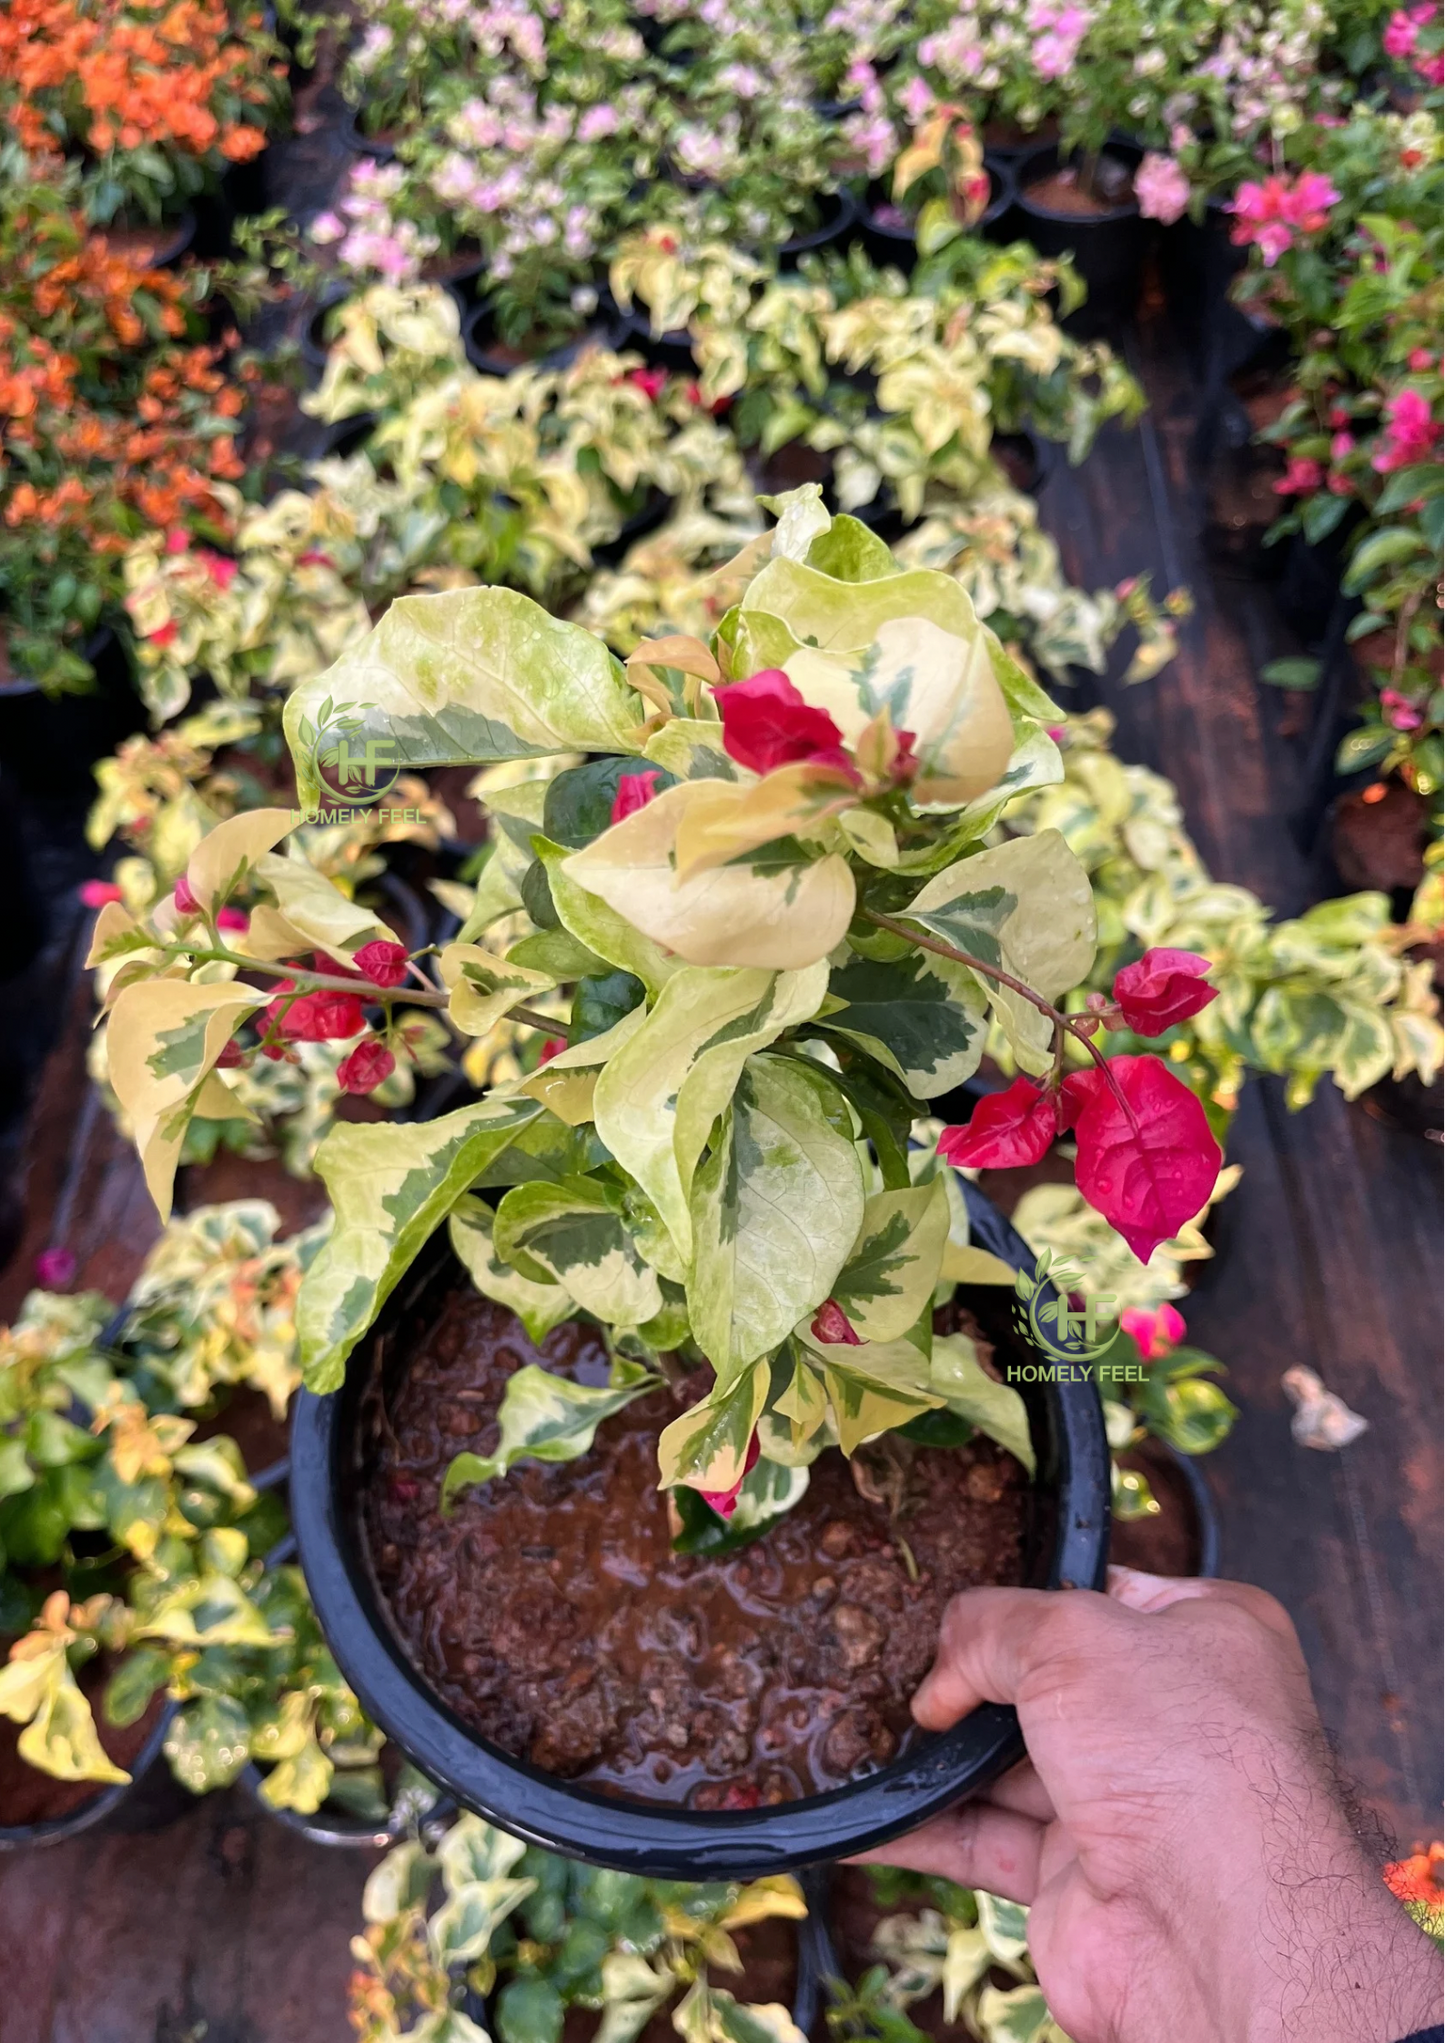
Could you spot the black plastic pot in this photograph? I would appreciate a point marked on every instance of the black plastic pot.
(1205, 1515)
(354, 136)
(485, 352)
(898, 247)
(663, 1842)
(51, 742)
(104, 1804)
(1107, 248)
(840, 215)
(648, 516)
(173, 237)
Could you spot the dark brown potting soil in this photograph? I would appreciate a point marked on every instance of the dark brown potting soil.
(1167, 1544)
(1063, 191)
(550, 1612)
(29, 1796)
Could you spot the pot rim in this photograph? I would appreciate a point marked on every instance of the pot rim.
(663, 1841)
(1049, 152)
(107, 1799)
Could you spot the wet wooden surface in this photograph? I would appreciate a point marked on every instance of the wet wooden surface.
(219, 1927)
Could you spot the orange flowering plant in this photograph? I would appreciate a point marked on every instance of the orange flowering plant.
(114, 417)
(155, 97)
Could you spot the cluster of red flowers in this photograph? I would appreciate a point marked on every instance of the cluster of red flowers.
(168, 74)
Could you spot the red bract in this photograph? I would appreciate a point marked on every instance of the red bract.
(1155, 1332)
(1008, 1128)
(367, 1067)
(316, 1017)
(186, 902)
(652, 382)
(1147, 1160)
(232, 1056)
(96, 893)
(833, 1326)
(766, 723)
(235, 919)
(553, 1047)
(725, 1502)
(634, 792)
(383, 963)
(1162, 988)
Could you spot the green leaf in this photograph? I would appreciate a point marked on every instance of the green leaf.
(1319, 515)
(579, 801)
(1047, 940)
(921, 1018)
(546, 1418)
(849, 552)
(473, 675)
(208, 1743)
(775, 1210)
(592, 922)
(658, 1097)
(1379, 550)
(576, 1234)
(129, 1690)
(601, 1001)
(391, 1185)
(539, 1307)
(874, 1388)
(971, 1393)
(769, 1490)
(301, 1783)
(707, 1445)
(530, 2011)
(1362, 748)
(970, 921)
(894, 1265)
(1292, 673)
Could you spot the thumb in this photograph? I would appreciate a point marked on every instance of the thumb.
(988, 1641)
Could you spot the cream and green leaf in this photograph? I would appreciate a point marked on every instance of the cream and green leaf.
(545, 1417)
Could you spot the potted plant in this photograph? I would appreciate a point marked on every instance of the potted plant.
(521, 1939)
(671, 1236)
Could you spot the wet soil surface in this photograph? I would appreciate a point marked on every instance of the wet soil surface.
(550, 1612)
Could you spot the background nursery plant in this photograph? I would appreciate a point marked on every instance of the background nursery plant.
(772, 887)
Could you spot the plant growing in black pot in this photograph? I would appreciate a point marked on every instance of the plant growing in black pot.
(757, 929)
(1081, 203)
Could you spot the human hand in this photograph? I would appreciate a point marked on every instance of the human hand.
(1175, 1830)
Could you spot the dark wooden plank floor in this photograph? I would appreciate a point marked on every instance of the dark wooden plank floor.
(223, 1927)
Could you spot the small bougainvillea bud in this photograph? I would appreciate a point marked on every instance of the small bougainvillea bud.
(766, 723)
(725, 1502)
(383, 963)
(234, 919)
(185, 900)
(634, 792)
(97, 893)
(1162, 988)
(833, 1326)
(1154, 1332)
(369, 1065)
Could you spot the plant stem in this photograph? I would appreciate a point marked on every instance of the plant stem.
(315, 982)
(1078, 1026)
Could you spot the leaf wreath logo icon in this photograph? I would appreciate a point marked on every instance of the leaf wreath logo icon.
(1046, 1314)
(353, 763)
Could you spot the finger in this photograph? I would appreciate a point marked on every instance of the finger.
(1021, 1790)
(991, 1637)
(977, 1846)
(1153, 1593)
